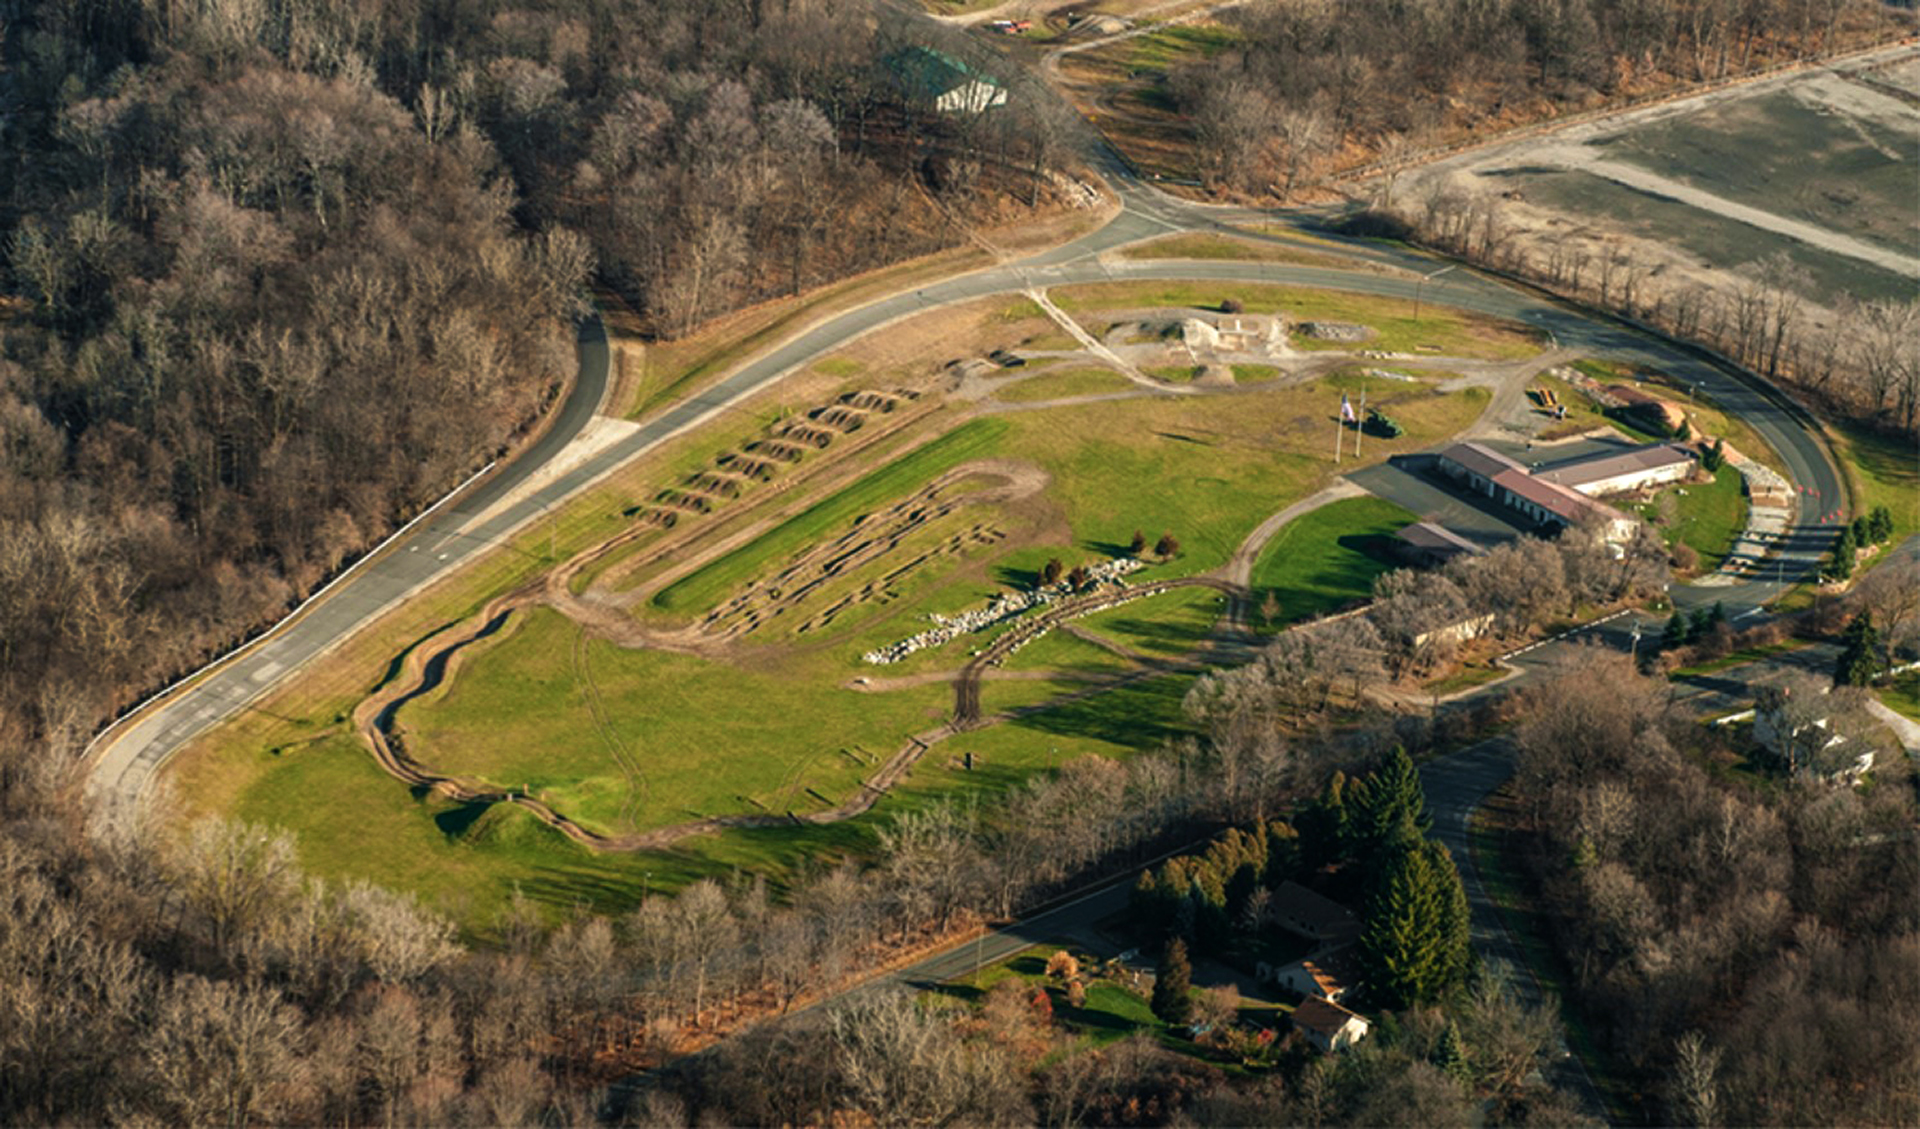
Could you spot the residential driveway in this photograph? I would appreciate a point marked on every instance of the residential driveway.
(1455, 786)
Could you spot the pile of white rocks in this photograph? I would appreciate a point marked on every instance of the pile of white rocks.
(1334, 331)
(998, 610)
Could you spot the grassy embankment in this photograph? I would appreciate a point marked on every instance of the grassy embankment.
(1327, 559)
(1198, 245)
(1705, 515)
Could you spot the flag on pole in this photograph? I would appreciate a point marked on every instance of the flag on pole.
(1346, 408)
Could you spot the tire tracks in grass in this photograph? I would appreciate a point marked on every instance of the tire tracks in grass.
(637, 788)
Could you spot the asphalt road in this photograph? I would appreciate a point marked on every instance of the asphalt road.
(1455, 786)
(128, 757)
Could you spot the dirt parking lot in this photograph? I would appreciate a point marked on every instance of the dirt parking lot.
(1818, 167)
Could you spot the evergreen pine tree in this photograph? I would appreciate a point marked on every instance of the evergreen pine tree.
(1880, 524)
(1677, 632)
(1859, 662)
(1172, 982)
(1414, 940)
(1323, 826)
(1862, 531)
(1456, 917)
(1843, 552)
(1716, 615)
(1392, 810)
(1450, 1056)
(1283, 852)
(1697, 626)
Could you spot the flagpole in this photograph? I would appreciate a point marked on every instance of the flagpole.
(1360, 422)
(1339, 423)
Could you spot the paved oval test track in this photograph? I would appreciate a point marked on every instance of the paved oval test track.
(132, 753)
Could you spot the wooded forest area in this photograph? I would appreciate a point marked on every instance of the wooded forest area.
(280, 275)
(280, 272)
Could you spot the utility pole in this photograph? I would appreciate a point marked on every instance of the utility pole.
(1419, 289)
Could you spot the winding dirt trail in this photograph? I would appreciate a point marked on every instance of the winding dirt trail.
(601, 613)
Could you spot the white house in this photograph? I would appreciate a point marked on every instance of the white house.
(1328, 973)
(1327, 1025)
(1799, 735)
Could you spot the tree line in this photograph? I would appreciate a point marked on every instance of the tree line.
(208, 979)
(1306, 85)
(278, 275)
(1363, 841)
(1747, 951)
(1856, 359)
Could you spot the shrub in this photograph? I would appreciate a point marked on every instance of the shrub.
(1383, 425)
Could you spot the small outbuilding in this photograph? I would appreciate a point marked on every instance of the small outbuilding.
(946, 83)
(1327, 1025)
(1426, 544)
(1299, 910)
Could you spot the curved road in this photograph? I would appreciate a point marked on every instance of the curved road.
(130, 753)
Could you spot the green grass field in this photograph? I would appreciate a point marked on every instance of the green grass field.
(1903, 695)
(1178, 44)
(706, 738)
(1886, 473)
(1169, 625)
(1327, 559)
(662, 738)
(1706, 516)
(1207, 246)
(1063, 385)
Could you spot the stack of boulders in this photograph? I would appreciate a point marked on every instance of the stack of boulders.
(1334, 331)
(997, 610)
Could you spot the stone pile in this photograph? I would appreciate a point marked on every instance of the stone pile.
(998, 610)
(1334, 331)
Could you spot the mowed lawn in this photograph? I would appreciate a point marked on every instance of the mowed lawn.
(1707, 516)
(705, 587)
(711, 738)
(1064, 384)
(703, 738)
(1327, 559)
(783, 732)
(1885, 472)
(1205, 468)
